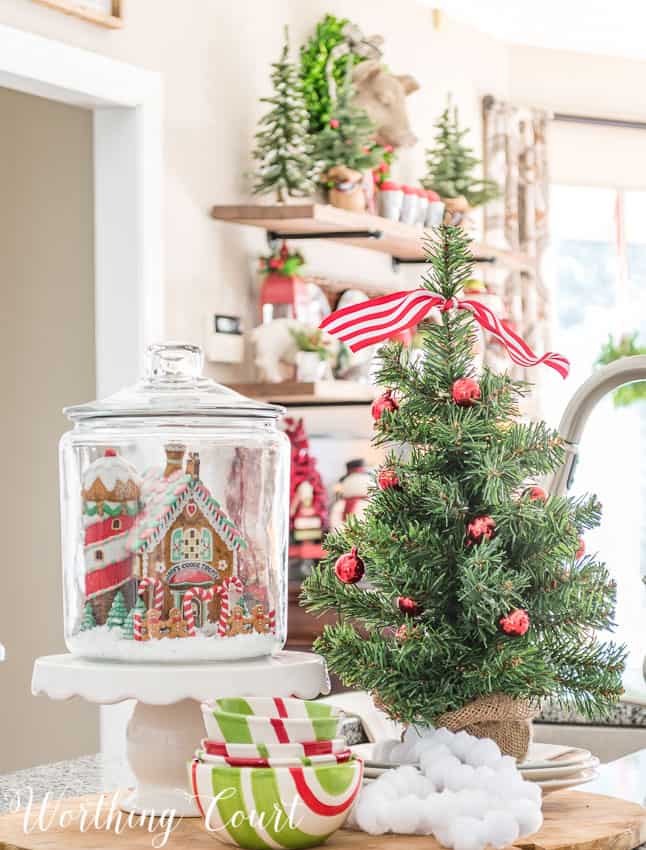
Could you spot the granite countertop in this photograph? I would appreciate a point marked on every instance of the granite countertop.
(631, 711)
(62, 779)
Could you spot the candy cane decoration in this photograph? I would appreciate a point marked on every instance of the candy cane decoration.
(204, 595)
(158, 602)
(272, 621)
(223, 590)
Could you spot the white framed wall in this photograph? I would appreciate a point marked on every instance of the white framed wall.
(126, 106)
(126, 102)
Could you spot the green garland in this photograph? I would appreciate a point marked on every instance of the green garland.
(314, 58)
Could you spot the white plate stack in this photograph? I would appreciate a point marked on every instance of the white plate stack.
(556, 767)
(551, 766)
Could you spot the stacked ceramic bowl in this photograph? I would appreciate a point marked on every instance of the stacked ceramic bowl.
(273, 772)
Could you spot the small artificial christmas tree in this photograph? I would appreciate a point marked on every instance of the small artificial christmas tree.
(128, 629)
(451, 163)
(88, 620)
(349, 136)
(477, 591)
(118, 611)
(283, 147)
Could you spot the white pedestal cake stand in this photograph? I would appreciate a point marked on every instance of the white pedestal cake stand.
(166, 725)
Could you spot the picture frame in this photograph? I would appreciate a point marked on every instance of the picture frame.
(104, 13)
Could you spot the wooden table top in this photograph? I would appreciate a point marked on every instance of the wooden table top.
(573, 820)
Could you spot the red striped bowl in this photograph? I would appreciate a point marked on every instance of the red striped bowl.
(270, 751)
(240, 804)
(294, 761)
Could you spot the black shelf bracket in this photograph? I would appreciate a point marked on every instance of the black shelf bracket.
(274, 237)
(405, 261)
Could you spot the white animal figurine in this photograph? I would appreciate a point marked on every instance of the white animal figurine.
(276, 349)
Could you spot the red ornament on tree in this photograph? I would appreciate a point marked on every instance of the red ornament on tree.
(480, 528)
(384, 402)
(580, 552)
(537, 493)
(465, 392)
(515, 623)
(387, 478)
(349, 568)
(334, 123)
(408, 606)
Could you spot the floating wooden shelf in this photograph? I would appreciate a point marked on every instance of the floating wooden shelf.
(298, 393)
(400, 241)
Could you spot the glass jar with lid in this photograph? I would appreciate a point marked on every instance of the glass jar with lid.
(174, 501)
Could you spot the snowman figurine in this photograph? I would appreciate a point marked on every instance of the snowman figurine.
(351, 493)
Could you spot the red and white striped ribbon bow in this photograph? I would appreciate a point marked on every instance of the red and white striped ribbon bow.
(374, 321)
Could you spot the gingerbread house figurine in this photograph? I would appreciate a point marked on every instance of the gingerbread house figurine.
(110, 494)
(184, 538)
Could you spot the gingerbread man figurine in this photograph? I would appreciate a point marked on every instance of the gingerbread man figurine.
(259, 621)
(177, 626)
(153, 624)
(236, 621)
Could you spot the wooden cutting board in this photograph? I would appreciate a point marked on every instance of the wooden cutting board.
(573, 821)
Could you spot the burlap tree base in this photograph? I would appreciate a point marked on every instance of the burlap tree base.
(506, 720)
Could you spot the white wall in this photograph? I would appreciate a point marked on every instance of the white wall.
(215, 61)
(585, 84)
(47, 356)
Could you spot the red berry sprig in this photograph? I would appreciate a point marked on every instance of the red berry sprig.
(408, 606)
(537, 494)
(387, 478)
(465, 392)
(480, 528)
(516, 623)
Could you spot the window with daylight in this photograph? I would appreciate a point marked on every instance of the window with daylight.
(116, 525)
(597, 267)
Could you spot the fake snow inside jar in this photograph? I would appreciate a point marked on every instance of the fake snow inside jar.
(175, 519)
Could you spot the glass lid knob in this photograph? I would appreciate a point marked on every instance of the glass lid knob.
(173, 362)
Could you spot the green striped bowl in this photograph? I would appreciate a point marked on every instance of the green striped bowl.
(241, 729)
(274, 707)
(284, 807)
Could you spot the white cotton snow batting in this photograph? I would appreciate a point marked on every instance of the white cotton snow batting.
(466, 793)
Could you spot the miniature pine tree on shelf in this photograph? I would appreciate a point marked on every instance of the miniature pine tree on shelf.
(451, 163)
(118, 611)
(348, 137)
(283, 146)
(128, 630)
(88, 620)
(475, 584)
